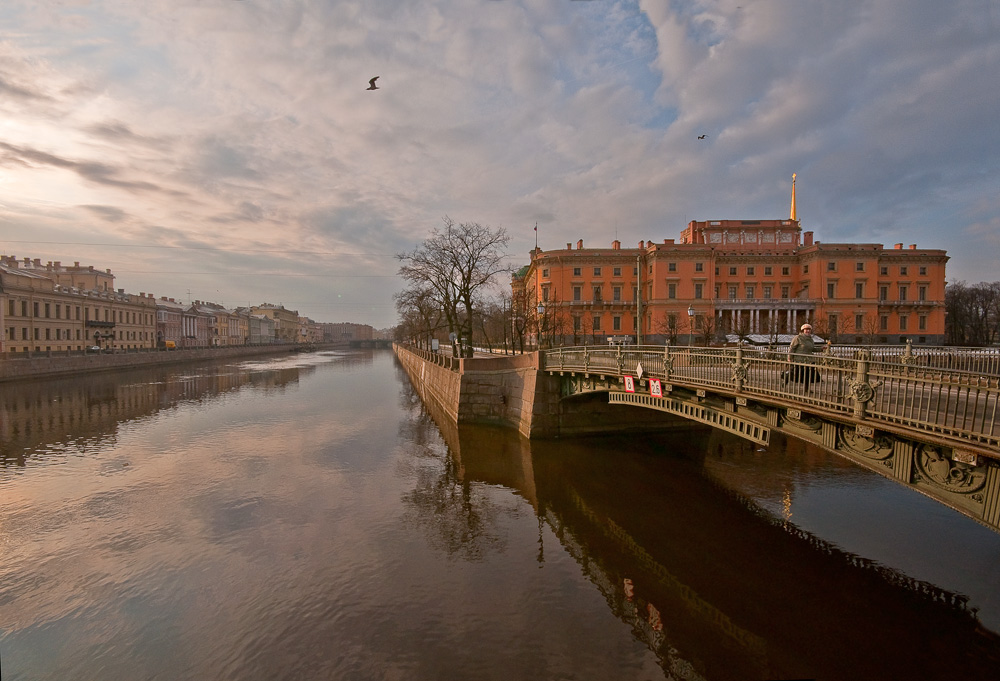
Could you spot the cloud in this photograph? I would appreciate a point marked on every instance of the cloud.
(247, 127)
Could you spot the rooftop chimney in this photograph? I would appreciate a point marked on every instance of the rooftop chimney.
(897, 246)
(579, 244)
(616, 245)
(913, 247)
(807, 238)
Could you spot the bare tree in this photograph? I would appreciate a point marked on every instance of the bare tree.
(669, 327)
(454, 265)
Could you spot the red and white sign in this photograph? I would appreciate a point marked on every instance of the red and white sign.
(629, 384)
(655, 389)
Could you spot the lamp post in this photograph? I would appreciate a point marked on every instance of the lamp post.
(690, 325)
(541, 323)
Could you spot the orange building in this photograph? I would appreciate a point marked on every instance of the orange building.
(745, 278)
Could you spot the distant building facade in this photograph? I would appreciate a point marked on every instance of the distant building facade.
(742, 277)
(49, 307)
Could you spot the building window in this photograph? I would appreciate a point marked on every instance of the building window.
(732, 271)
(805, 269)
(577, 272)
(902, 322)
(597, 271)
(767, 271)
(716, 270)
(597, 294)
(48, 334)
(616, 323)
(883, 271)
(616, 293)
(859, 290)
(883, 323)
(577, 293)
(751, 270)
(767, 292)
(545, 293)
(597, 323)
(576, 324)
(834, 324)
(48, 312)
(697, 290)
(749, 291)
(903, 270)
(785, 291)
(732, 293)
(635, 271)
(831, 266)
(902, 294)
(699, 267)
(859, 267)
(883, 293)
(635, 293)
(785, 271)
(859, 322)
(617, 271)
(923, 271)
(671, 290)
(922, 322)
(545, 273)
(671, 267)
(831, 290)
(922, 293)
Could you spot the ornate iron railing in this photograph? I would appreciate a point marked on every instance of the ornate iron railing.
(958, 404)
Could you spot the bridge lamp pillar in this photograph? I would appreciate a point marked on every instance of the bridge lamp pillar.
(690, 325)
(541, 323)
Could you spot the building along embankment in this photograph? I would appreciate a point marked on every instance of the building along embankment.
(511, 391)
(42, 365)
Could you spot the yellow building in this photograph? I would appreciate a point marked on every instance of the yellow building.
(44, 308)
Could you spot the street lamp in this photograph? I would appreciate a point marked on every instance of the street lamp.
(690, 325)
(541, 319)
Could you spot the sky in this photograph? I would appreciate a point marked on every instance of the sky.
(229, 150)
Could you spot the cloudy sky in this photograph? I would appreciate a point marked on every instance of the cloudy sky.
(227, 150)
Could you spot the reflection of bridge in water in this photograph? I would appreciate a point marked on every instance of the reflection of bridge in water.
(932, 428)
(714, 591)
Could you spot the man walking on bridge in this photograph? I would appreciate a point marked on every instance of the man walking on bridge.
(800, 353)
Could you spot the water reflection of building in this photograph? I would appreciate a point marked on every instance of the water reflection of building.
(82, 413)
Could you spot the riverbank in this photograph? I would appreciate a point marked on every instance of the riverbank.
(38, 366)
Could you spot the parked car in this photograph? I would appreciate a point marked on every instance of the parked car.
(94, 348)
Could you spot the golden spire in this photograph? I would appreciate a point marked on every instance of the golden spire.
(792, 215)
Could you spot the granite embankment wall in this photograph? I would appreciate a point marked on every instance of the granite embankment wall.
(14, 369)
(503, 391)
(510, 391)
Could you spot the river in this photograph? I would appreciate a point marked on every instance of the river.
(304, 517)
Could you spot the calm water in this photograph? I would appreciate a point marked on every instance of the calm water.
(305, 518)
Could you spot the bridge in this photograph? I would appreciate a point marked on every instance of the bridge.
(926, 419)
(929, 421)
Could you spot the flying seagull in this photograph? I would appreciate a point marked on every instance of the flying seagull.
(371, 84)
(701, 137)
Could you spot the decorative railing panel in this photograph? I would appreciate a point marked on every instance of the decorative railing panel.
(909, 390)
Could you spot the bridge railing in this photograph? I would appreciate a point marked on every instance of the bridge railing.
(954, 403)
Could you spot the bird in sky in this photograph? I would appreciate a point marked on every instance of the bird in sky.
(371, 84)
(701, 137)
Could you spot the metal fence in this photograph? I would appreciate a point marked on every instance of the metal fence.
(912, 393)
